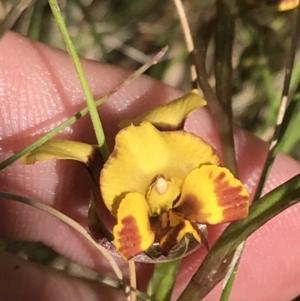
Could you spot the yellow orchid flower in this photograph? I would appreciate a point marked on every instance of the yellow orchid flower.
(160, 183)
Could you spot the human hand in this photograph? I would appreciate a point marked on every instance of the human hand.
(39, 89)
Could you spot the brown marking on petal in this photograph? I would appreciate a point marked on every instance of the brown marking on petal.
(231, 197)
(177, 199)
(190, 207)
(116, 203)
(235, 213)
(171, 239)
(228, 195)
(114, 153)
(130, 238)
(220, 177)
(160, 227)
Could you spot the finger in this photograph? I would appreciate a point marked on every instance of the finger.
(43, 98)
(34, 93)
(63, 98)
(22, 280)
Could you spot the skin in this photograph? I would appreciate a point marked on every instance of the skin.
(39, 89)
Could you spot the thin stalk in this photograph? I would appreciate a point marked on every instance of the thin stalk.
(98, 128)
(277, 136)
(12, 16)
(132, 280)
(188, 38)
(216, 107)
(224, 38)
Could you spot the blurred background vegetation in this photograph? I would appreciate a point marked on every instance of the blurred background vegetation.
(127, 33)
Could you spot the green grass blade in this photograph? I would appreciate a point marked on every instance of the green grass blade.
(83, 80)
(8, 20)
(214, 267)
(227, 288)
(35, 25)
(163, 279)
(291, 121)
(224, 39)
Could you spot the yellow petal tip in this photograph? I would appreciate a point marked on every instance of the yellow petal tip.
(60, 149)
(170, 116)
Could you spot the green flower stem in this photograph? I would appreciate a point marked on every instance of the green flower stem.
(163, 280)
(98, 128)
(224, 38)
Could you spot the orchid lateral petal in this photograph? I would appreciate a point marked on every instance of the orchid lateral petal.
(133, 233)
(170, 116)
(142, 153)
(61, 149)
(211, 194)
(177, 233)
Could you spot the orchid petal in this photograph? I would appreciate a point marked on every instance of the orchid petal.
(142, 153)
(170, 116)
(177, 233)
(211, 194)
(133, 233)
(61, 149)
